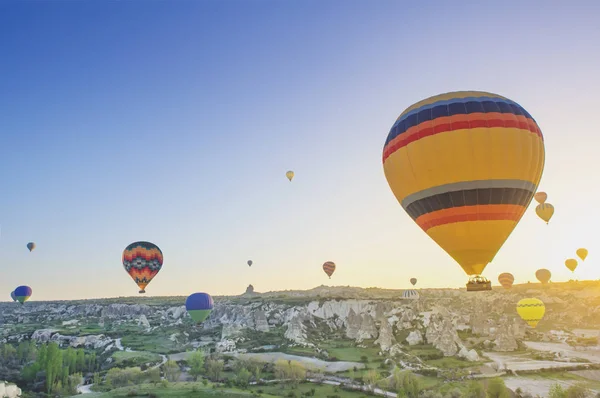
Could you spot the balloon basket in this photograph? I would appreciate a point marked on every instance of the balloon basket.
(142, 291)
(478, 284)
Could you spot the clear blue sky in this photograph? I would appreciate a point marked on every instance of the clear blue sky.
(175, 122)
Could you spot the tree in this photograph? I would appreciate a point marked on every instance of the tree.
(242, 377)
(475, 390)
(255, 367)
(577, 391)
(281, 370)
(172, 371)
(196, 362)
(153, 375)
(557, 391)
(97, 379)
(297, 372)
(214, 367)
(497, 389)
(371, 378)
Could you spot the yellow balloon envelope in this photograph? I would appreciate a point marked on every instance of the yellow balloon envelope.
(531, 310)
(582, 253)
(545, 211)
(540, 197)
(289, 175)
(543, 275)
(571, 264)
(506, 279)
(465, 166)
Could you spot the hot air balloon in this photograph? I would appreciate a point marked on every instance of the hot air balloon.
(543, 275)
(22, 293)
(571, 264)
(142, 261)
(545, 211)
(249, 263)
(451, 161)
(413, 281)
(199, 306)
(531, 310)
(506, 280)
(31, 246)
(329, 268)
(582, 253)
(410, 294)
(540, 197)
(289, 175)
(12, 296)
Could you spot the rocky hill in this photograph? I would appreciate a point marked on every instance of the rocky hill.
(453, 322)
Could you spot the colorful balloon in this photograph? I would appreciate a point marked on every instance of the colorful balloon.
(199, 306)
(465, 166)
(540, 197)
(582, 253)
(12, 296)
(22, 293)
(410, 294)
(31, 246)
(571, 264)
(329, 268)
(413, 281)
(545, 211)
(531, 310)
(250, 263)
(289, 175)
(142, 261)
(506, 280)
(543, 275)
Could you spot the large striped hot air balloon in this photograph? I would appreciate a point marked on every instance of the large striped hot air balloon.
(543, 275)
(531, 310)
(506, 279)
(329, 268)
(142, 261)
(22, 293)
(199, 306)
(465, 166)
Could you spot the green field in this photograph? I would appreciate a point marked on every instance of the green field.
(137, 358)
(198, 390)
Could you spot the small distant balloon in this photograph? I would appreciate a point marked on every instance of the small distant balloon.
(582, 253)
(142, 261)
(531, 310)
(571, 264)
(545, 211)
(413, 281)
(540, 197)
(199, 306)
(329, 268)
(22, 293)
(31, 246)
(543, 275)
(12, 296)
(250, 263)
(506, 279)
(289, 175)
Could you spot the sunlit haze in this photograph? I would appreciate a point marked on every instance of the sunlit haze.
(175, 122)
